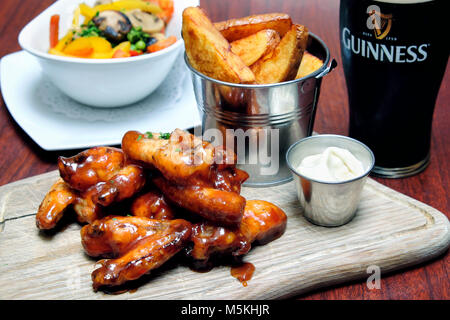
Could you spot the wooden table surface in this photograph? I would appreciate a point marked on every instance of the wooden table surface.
(21, 157)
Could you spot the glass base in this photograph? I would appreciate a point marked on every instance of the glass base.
(392, 173)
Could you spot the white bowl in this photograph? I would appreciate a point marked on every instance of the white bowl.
(101, 82)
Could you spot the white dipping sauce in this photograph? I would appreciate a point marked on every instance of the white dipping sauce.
(332, 165)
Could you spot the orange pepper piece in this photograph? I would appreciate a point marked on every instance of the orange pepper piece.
(167, 9)
(162, 44)
(121, 54)
(81, 47)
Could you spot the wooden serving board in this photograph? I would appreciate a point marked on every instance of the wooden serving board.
(390, 230)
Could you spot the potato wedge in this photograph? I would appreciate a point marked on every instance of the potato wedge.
(250, 49)
(209, 52)
(309, 64)
(235, 29)
(283, 63)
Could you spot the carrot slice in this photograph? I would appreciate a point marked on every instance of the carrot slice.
(54, 30)
(162, 44)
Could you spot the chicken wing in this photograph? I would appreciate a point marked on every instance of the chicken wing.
(152, 205)
(52, 208)
(89, 205)
(101, 176)
(145, 255)
(183, 158)
(113, 236)
(208, 239)
(142, 146)
(262, 222)
(218, 206)
(91, 166)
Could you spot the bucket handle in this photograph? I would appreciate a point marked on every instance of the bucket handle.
(331, 66)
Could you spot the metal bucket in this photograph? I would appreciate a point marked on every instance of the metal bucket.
(260, 122)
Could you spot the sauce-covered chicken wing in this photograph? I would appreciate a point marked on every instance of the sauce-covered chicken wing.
(54, 204)
(91, 180)
(142, 146)
(221, 207)
(101, 176)
(182, 158)
(90, 167)
(185, 158)
(262, 222)
(113, 236)
(208, 239)
(145, 254)
(89, 206)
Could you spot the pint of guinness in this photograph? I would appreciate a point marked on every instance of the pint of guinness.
(394, 55)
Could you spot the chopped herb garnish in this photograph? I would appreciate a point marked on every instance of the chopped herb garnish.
(165, 136)
(177, 150)
(90, 30)
(139, 138)
(149, 134)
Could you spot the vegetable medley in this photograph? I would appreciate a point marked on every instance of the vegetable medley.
(114, 29)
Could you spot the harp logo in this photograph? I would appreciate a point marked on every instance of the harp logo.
(378, 22)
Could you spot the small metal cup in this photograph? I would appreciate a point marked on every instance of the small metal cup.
(329, 204)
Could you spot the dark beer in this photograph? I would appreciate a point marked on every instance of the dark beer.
(394, 56)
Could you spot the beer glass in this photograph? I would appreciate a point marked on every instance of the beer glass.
(394, 54)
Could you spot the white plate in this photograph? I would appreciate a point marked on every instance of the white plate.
(32, 101)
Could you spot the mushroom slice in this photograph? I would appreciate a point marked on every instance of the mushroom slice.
(149, 23)
(114, 24)
(158, 36)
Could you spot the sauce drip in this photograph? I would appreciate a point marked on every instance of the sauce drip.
(243, 272)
